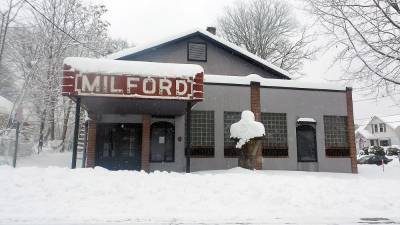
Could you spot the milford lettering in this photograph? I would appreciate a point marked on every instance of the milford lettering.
(135, 85)
(90, 87)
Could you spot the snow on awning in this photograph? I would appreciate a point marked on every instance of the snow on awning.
(306, 120)
(135, 79)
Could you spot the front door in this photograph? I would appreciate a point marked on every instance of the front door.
(162, 142)
(119, 146)
(306, 143)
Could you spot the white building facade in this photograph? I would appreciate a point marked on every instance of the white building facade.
(379, 131)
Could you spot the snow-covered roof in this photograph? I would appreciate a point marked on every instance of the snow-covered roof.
(5, 106)
(140, 48)
(267, 82)
(118, 67)
(364, 131)
(392, 121)
(307, 120)
(246, 128)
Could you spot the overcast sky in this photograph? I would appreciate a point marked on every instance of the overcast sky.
(142, 21)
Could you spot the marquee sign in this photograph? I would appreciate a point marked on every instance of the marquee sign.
(132, 86)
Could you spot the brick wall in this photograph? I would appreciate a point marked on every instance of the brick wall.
(145, 165)
(255, 105)
(350, 130)
(91, 144)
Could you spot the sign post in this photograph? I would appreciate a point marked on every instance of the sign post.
(18, 118)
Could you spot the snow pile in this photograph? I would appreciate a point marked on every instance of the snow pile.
(121, 67)
(246, 129)
(5, 106)
(97, 196)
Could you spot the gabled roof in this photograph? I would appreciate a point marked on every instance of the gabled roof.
(275, 70)
(392, 121)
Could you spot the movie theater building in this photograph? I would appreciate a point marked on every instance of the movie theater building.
(169, 106)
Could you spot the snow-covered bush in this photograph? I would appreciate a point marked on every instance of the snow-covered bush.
(246, 128)
(249, 134)
(376, 150)
(392, 150)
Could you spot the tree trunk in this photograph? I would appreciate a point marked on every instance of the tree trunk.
(248, 154)
(41, 130)
(65, 125)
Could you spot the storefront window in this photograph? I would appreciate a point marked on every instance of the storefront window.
(202, 134)
(275, 142)
(229, 144)
(336, 142)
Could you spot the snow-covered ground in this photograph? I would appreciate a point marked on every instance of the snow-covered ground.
(56, 195)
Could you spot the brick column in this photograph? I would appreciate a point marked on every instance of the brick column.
(91, 143)
(350, 130)
(255, 105)
(145, 164)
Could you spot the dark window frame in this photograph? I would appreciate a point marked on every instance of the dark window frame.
(197, 60)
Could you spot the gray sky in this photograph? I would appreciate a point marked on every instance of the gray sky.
(142, 21)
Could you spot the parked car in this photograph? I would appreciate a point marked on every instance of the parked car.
(373, 159)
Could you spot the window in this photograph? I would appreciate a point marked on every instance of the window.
(229, 144)
(336, 143)
(376, 128)
(202, 134)
(197, 51)
(384, 143)
(275, 143)
(382, 127)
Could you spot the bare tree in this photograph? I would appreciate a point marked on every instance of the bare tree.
(269, 30)
(367, 34)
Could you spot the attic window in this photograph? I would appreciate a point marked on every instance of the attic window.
(197, 51)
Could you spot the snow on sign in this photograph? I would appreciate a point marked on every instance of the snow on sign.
(117, 78)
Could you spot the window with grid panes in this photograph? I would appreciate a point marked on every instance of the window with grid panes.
(336, 142)
(202, 134)
(229, 144)
(275, 142)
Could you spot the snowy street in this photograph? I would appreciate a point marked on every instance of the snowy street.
(55, 195)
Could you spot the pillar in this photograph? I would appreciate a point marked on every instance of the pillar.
(350, 130)
(255, 105)
(91, 142)
(145, 164)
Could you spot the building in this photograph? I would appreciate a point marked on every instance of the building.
(148, 105)
(379, 131)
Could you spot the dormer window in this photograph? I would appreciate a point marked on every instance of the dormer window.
(382, 127)
(197, 51)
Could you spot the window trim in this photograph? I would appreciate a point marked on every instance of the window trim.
(196, 60)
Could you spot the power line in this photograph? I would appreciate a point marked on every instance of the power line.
(368, 99)
(34, 8)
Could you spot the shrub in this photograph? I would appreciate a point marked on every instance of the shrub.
(392, 151)
(376, 150)
(365, 149)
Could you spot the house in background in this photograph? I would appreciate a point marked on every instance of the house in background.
(379, 131)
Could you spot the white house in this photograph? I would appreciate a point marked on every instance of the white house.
(379, 131)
